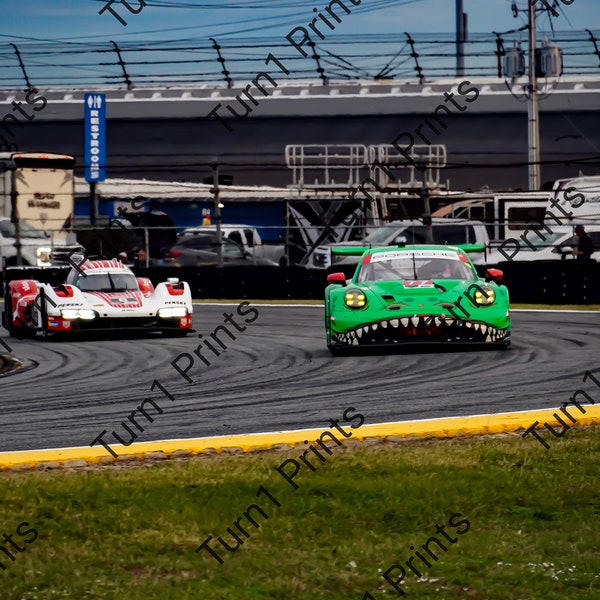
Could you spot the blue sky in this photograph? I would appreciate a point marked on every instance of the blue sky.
(79, 19)
(67, 43)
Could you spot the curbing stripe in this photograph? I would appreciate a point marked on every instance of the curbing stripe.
(424, 428)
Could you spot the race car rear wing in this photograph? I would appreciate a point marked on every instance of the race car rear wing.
(349, 250)
(471, 247)
(359, 250)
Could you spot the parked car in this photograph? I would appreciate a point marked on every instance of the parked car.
(408, 232)
(199, 248)
(37, 247)
(248, 238)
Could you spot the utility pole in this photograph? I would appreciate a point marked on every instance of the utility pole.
(93, 203)
(461, 36)
(14, 215)
(216, 191)
(533, 105)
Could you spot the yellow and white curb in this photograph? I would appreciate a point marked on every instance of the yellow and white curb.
(475, 425)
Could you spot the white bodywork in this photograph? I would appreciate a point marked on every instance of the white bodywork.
(101, 295)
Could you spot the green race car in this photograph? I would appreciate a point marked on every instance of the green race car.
(415, 294)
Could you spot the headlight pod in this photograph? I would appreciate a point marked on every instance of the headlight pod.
(484, 296)
(85, 314)
(355, 299)
(172, 312)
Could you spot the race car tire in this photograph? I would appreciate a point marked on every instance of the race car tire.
(7, 317)
(175, 333)
(337, 351)
(19, 333)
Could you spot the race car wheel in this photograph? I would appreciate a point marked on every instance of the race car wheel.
(8, 317)
(337, 351)
(175, 333)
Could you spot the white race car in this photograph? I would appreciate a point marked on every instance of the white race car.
(97, 295)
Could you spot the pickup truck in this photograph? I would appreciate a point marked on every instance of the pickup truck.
(445, 231)
(37, 248)
(248, 238)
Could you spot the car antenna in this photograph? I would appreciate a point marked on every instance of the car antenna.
(414, 264)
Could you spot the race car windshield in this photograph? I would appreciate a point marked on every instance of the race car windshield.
(107, 282)
(404, 268)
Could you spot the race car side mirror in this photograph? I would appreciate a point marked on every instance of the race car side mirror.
(494, 275)
(336, 278)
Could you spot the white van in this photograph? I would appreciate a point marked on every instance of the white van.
(572, 202)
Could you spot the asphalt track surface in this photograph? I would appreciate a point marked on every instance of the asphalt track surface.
(278, 375)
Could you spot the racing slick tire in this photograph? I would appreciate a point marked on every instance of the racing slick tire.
(337, 351)
(19, 333)
(7, 317)
(175, 333)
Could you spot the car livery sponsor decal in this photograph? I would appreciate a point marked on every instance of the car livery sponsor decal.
(120, 299)
(418, 283)
(380, 256)
(463, 258)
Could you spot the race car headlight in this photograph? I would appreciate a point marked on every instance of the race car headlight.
(78, 313)
(169, 313)
(484, 296)
(355, 299)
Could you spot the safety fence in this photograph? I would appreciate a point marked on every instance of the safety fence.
(536, 282)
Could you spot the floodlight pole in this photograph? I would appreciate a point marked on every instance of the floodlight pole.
(461, 36)
(533, 106)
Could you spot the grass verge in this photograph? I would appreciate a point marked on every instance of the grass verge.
(131, 533)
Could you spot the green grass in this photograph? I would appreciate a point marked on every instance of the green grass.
(130, 532)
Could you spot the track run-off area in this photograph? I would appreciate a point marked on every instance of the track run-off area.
(278, 375)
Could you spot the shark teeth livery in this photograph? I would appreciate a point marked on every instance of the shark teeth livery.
(422, 329)
(416, 295)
